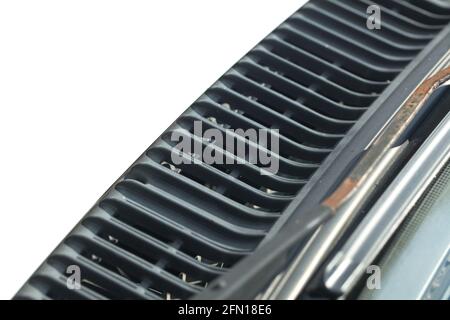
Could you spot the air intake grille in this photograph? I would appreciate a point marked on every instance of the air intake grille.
(164, 231)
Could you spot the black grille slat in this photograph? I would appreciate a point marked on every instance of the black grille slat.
(296, 131)
(228, 176)
(388, 24)
(337, 117)
(401, 12)
(305, 77)
(175, 233)
(146, 247)
(334, 117)
(431, 7)
(106, 282)
(215, 177)
(166, 230)
(360, 35)
(205, 191)
(355, 64)
(303, 166)
(53, 285)
(322, 66)
(236, 120)
(298, 169)
(126, 264)
(401, 21)
(356, 22)
(279, 96)
(322, 30)
(416, 13)
(251, 171)
(161, 204)
(57, 289)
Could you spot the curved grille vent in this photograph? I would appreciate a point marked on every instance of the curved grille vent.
(164, 231)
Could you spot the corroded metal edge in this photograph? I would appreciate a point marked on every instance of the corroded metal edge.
(386, 139)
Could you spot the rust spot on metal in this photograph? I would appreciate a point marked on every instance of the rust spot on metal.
(386, 139)
(340, 194)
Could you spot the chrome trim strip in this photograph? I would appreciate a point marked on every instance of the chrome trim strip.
(388, 212)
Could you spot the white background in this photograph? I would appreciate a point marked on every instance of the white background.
(86, 87)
